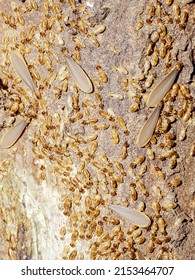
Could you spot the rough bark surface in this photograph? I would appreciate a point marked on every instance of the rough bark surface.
(46, 213)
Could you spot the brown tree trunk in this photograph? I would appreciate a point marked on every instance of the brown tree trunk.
(79, 153)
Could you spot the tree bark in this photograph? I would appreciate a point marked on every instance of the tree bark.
(55, 183)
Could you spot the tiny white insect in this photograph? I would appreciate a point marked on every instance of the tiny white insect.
(159, 92)
(148, 128)
(79, 75)
(21, 68)
(134, 216)
(12, 135)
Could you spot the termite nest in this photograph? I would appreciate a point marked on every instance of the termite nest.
(81, 146)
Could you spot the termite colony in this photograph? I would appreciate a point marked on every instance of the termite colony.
(70, 122)
(172, 100)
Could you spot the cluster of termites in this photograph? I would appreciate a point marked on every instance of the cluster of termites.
(70, 127)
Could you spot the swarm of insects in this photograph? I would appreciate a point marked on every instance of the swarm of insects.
(92, 131)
